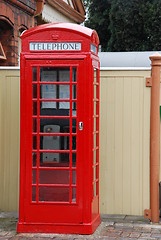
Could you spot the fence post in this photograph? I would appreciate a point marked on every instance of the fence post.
(155, 137)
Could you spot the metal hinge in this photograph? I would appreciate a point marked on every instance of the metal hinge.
(147, 214)
(149, 82)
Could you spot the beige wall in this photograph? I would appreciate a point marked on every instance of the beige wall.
(9, 139)
(124, 141)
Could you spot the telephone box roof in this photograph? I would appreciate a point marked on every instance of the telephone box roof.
(64, 26)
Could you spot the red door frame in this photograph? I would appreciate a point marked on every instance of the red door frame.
(27, 126)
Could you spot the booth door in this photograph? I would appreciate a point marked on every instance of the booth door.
(54, 142)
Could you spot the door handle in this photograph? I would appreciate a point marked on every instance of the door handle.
(80, 126)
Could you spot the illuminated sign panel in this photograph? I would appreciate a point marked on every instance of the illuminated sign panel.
(55, 46)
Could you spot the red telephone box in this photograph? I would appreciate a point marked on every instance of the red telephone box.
(59, 157)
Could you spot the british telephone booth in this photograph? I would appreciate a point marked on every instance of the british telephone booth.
(59, 154)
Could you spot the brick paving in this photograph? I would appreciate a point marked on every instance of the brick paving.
(112, 227)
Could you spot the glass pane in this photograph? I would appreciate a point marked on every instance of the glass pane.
(34, 91)
(34, 108)
(34, 71)
(74, 160)
(94, 141)
(34, 159)
(94, 173)
(53, 176)
(64, 92)
(34, 143)
(94, 127)
(74, 75)
(74, 177)
(64, 75)
(74, 92)
(34, 125)
(73, 195)
(94, 157)
(95, 75)
(34, 193)
(48, 91)
(54, 194)
(50, 157)
(56, 143)
(74, 112)
(64, 105)
(74, 126)
(74, 143)
(95, 91)
(34, 176)
(48, 74)
(94, 189)
(97, 172)
(54, 159)
(54, 125)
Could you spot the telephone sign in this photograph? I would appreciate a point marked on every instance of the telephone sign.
(55, 46)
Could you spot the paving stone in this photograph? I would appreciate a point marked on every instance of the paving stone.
(145, 235)
(155, 231)
(124, 238)
(156, 235)
(125, 234)
(150, 238)
(5, 238)
(3, 233)
(134, 235)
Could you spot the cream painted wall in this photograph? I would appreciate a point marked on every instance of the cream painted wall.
(124, 141)
(9, 139)
(50, 14)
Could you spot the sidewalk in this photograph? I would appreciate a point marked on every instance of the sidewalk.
(112, 227)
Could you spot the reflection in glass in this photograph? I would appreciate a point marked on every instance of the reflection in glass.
(63, 125)
(94, 141)
(74, 177)
(34, 176)
(34, 108)
(95, 75)
(34, 159)
(94, 157)
(34, 75)
(94, 127)
(94, 173)
(33, 193)
(94, 189)
(74, 160)
(34, 125)
(95, 91)
(74, 75)
(48, 74)
(34, 142)
(50, 162)
(48, 91)
(74, 91)
(34, 86)
(54, 176)
(64, 75)
(53, 194)
(73, 195)
(74, 126)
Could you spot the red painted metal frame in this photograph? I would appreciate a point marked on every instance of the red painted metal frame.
(82, 216)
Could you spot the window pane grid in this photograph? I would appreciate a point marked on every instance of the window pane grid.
(95, 132)
(37, 187)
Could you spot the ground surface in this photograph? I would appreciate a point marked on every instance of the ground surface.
(112, 227)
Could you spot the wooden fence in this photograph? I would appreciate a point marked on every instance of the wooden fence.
(124, 141)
